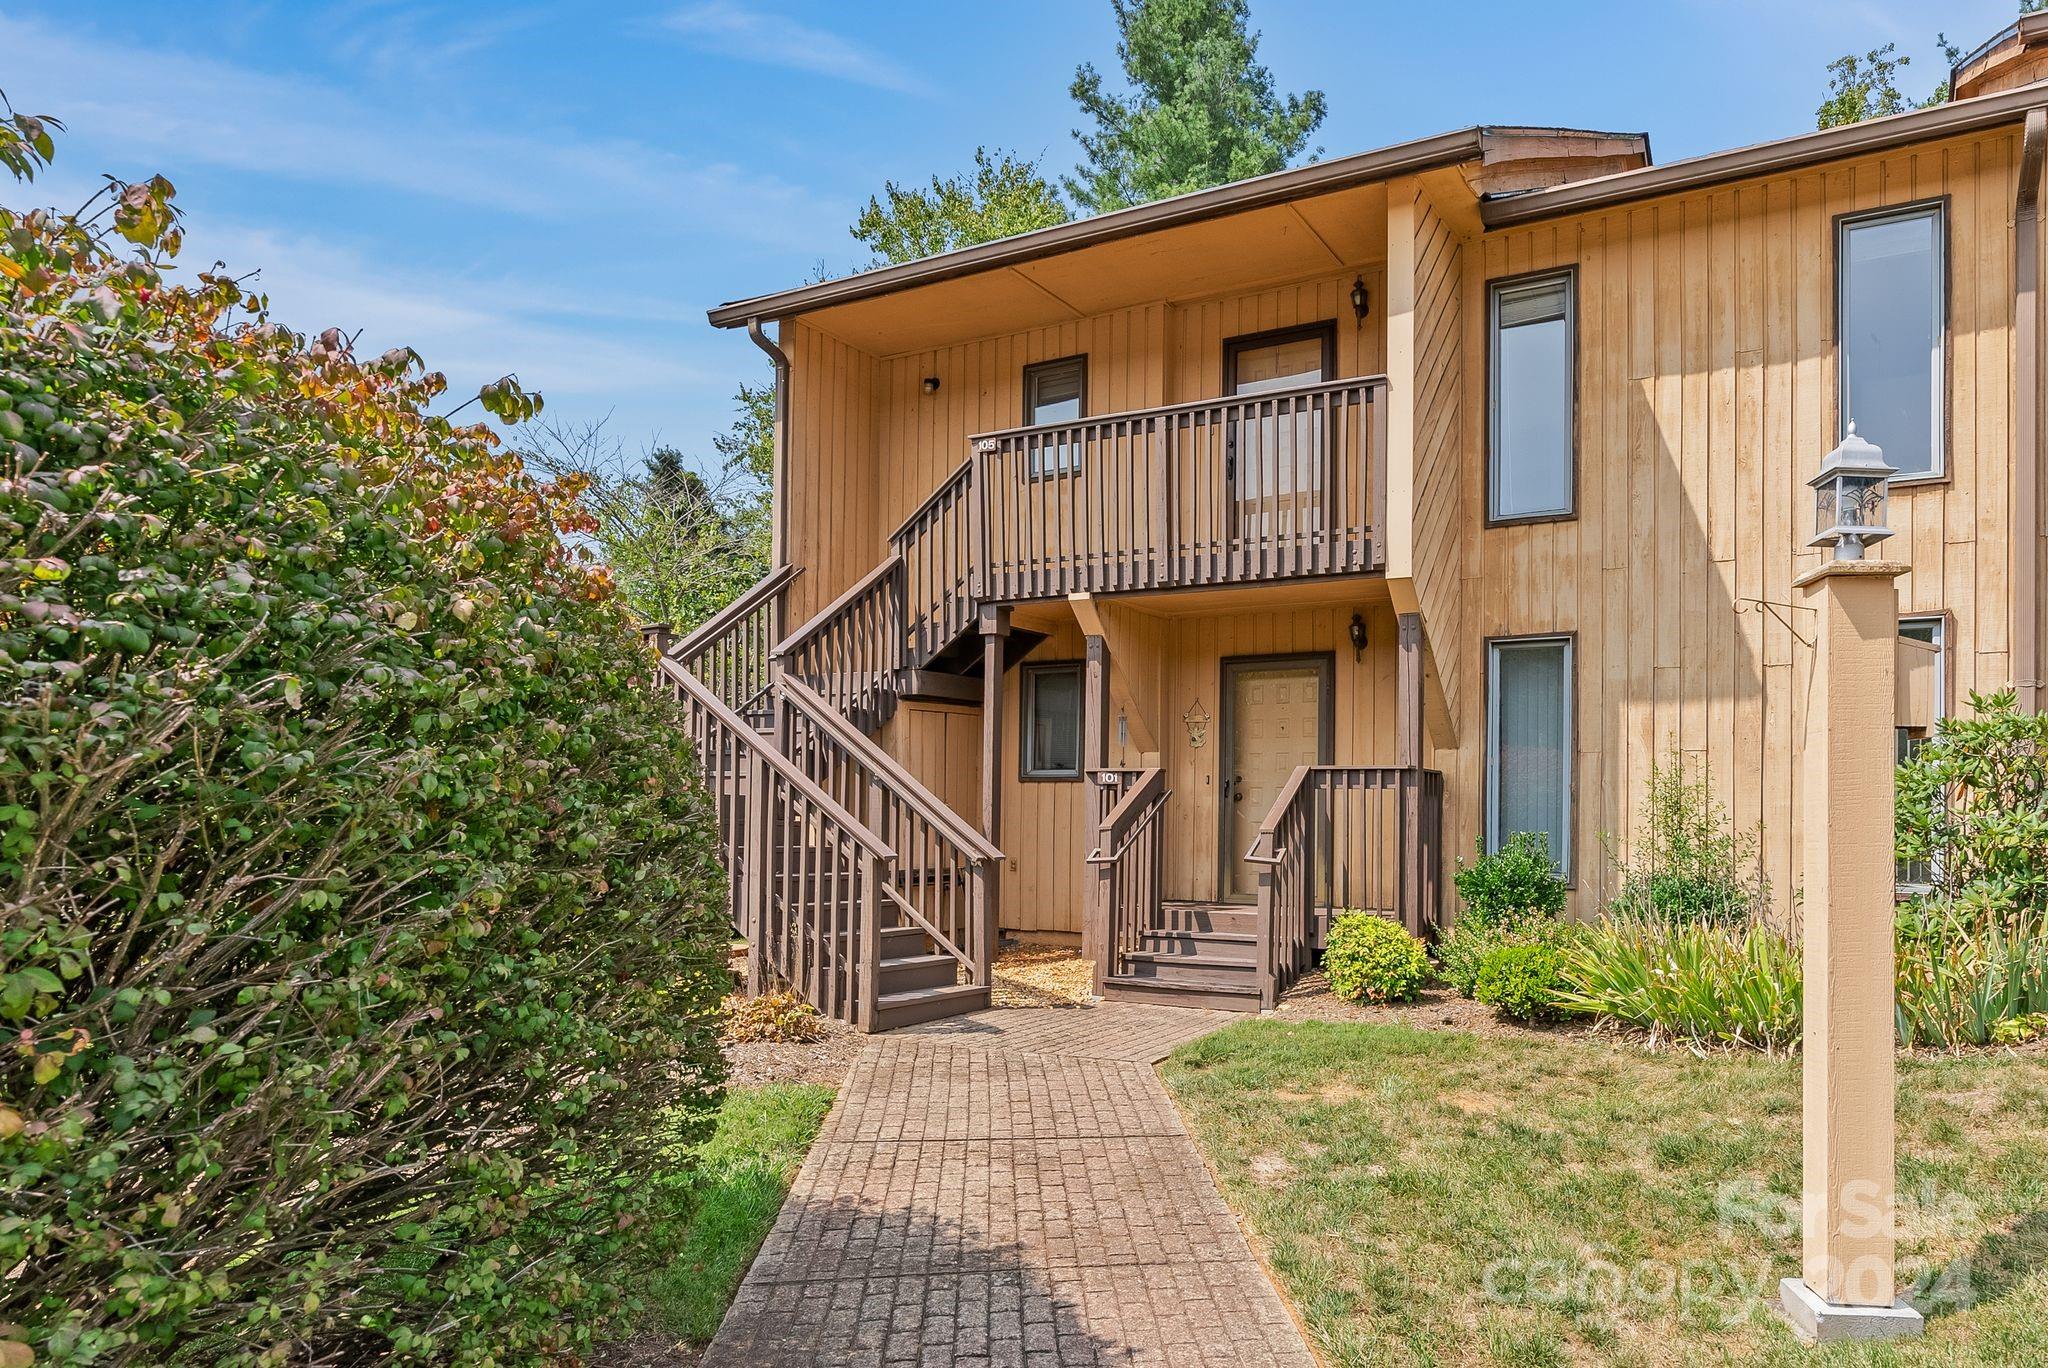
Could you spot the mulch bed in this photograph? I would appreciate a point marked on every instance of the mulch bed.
(1042, 976)
(1438, 1009)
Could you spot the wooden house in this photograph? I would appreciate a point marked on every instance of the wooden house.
(1171, 579)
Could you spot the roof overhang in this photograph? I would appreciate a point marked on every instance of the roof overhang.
(1786, 154)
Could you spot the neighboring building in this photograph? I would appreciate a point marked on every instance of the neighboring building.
(1469, 474)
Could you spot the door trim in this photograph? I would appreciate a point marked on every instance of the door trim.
(1325, 665)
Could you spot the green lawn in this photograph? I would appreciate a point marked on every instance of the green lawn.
(737, 1180)
(1439, 1197)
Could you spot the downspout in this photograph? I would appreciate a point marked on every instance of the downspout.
(2026, 488)
(778, 534)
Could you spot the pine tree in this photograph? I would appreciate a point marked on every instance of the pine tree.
(1201, 110)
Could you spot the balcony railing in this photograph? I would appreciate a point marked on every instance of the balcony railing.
(1279, 485)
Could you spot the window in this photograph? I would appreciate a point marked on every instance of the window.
(1531, 352)
(1052, 721)
(1056, 392)
(1529, 743)
(1279, 361)
(1916, 874)
(1892, 310)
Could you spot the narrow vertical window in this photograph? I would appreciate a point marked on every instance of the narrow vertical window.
(1529, 743)
(1056, 392)
(1052, 722)
(1531, 354)
(1891, 299)
(1923, 700)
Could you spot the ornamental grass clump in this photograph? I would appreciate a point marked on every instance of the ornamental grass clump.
(359, 912)
(1694, 981)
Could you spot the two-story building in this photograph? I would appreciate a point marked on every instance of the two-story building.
(1171, 578)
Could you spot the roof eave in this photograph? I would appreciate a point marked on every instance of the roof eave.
(1423, 154)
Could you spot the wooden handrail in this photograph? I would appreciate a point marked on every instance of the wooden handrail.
(1186, 406)
(784, 768)
(715, 626)
(1269, 829)
(927, 805)
(1138, 795)
(825, 615)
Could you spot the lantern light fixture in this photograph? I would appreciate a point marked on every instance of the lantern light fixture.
(1361, 299)
(1849, 498)
(931, 384)
(1357, 632)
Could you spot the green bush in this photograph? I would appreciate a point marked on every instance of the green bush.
(1973, 815)
(1695, 981)
(1519, 978)
(1514, 886)
(1687, 863)
(1372, 959)
(1458, 953)
(359, 912)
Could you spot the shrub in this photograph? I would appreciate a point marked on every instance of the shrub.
(357, 897)
(1512, 887)
(1973, 814)
(1696, 981)
(776, 1016)
(1371, 959)
(1687, 863)
(1962, 984)
(2020, 1029)
(1520, 978)
(1458, 954)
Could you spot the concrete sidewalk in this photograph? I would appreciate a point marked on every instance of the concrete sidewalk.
(1010, 1187)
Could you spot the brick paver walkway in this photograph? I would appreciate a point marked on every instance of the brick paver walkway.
(1010, 1187)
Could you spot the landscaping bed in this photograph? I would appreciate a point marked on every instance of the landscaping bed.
(1541, 1197)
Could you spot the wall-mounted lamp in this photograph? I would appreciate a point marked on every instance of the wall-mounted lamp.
(1361, 298)
(1357, 633)
(931, 384)
(1850, 497)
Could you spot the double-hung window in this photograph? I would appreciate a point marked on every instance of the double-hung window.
(1529, 743)
(1892, 308)
(1531, 427)
(1051, 741)
(1055, 392)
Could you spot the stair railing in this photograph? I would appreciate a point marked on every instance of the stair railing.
(936, 544)
(1129, 865)
(811, 883)
(851, 651)
(730, 651)
(1338, 839)
(944, 878)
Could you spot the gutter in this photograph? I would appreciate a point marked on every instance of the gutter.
(2027, 460)
(1763, 159)
(778, 555)
(1277, 187)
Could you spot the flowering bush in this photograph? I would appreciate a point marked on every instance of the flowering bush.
(357, 904)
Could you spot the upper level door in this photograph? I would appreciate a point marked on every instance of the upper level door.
(1273, 462)
(1276, 718)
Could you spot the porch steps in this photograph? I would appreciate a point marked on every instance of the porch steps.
(1201, 955)
(926, 1004)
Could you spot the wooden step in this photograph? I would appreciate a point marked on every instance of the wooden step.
(1229, 944)
(1232, 917)
(901, 942)
(918, 971)
(927, 1004)
(1228, 997)
(1195, 969)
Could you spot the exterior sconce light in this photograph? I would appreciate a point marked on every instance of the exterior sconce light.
(1361, 299)
(931, 384)
(1357, 634)
(1850, 497)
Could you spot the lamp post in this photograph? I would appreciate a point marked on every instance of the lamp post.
(1847, 1288)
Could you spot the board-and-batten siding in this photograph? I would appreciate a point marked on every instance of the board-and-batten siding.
(1707, 398)
(1440, 396)
(831, 491)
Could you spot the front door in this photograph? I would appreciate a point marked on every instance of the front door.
(1274, 463)
(1276, 717)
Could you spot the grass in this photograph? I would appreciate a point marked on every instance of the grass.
(736, 1180)
(1434, 1197)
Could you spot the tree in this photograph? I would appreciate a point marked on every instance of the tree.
(1005, 196)
(1201, 110)
(1867, 87)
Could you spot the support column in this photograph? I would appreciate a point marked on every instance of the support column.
(995, 630)
(1408, 755)
(1094, 758)
(1848, 1286)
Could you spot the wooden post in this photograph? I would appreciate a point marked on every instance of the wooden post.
(995, 628)
(1848, 1285)
(870, 901)
(1408, 745)
(752, 895)
(1094, 758)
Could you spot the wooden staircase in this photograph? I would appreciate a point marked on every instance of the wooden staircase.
(1195, 955)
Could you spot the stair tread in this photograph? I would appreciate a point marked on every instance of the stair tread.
(1168, 985)
(1185, 961)
(917, 961)
(1212, 937)
(950, 990)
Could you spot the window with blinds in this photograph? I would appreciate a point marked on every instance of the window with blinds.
(1531, 436)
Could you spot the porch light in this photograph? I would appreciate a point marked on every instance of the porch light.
(1357, 631)
(1360, 299)
(1850, 497)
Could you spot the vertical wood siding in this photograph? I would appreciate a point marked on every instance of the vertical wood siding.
(1440, 398)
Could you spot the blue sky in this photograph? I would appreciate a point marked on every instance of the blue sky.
(561, 190)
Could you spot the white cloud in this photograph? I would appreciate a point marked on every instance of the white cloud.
(164, 106)
(749, 35)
